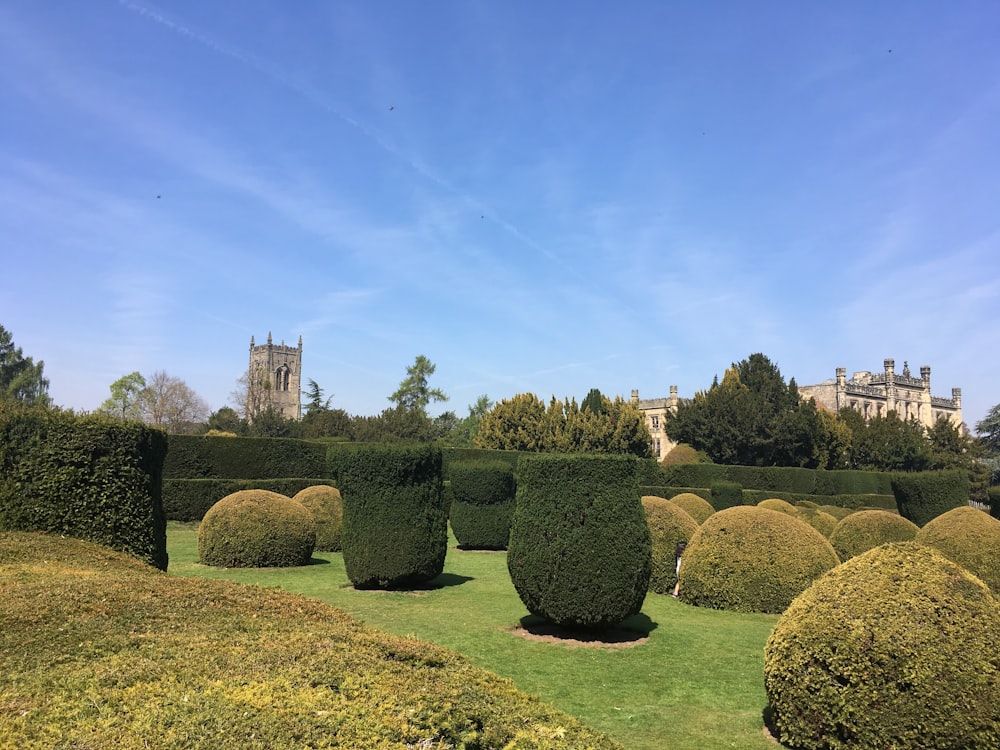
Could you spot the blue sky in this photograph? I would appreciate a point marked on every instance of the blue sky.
(542, 197)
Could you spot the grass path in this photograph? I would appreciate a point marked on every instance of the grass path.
(697, 682)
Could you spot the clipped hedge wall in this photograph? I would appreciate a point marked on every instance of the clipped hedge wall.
(994, 496)
(88, 477)
(969, 537)
(924, 495)
(256, 529)
(580, 549)
(189, 499)
(202, 457)
(482, 503)
(772, 479)
(896, 648)
(395, 531)
(866, 529)
(725, 494)
(751, 559)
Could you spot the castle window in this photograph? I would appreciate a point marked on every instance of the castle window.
(657, 445)
(656, 426)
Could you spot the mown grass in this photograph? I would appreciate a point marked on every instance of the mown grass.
(100, 651)
(696, 683)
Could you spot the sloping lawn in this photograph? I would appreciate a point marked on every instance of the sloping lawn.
(697, 682)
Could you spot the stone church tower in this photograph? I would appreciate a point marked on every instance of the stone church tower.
(274, 379)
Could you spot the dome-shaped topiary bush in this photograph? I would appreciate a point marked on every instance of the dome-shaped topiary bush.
(694, 505)
(328, 509)
(969, 537)
(896, 648)
(824, 523)
(751, 559)
(668, 525)
(807, 504)
(776, 503)
(395, 531)
(483, 503)
(865, 529)
(579, 553)
(837, 511)
(256, 529)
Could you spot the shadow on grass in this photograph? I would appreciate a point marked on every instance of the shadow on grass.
(317, 561)
(631, 632)
(443, 581)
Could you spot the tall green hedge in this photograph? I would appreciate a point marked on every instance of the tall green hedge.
(580, 549)
(395, 531)
(925, 495)
(772, 479)
(482, 504)
(725, 494)
(189, 499)
(203, 457)
(88, 477)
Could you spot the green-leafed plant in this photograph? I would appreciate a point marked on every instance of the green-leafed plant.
(752, 559)
(837, 511)
(189, 499)
(395, 532)
(726, 494)
(100, 651)
(579, 553)
(669, 524)
(969, 537)
(695, 506)
(824, 523)
(90, 477)
(775, 503)
(864, 529)
(256, 529)
(925, 495)
(896, 648)
(327, 508)
(483, 503)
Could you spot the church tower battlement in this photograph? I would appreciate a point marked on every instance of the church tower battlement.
(274, 379)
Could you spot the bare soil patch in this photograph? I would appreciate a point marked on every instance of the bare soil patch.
(549, 633)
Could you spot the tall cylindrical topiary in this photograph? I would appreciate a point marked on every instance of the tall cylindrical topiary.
(395, 531)
(895, 648)
(668, 525)
(328, 509)
(482, 504)
(256, 529)
(924, 495)
(579, 553)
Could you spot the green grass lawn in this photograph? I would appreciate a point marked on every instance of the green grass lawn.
(696, 683)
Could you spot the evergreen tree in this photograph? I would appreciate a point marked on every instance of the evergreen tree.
(21, 379)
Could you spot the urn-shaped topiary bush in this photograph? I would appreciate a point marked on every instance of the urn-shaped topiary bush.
(328, 509)
(776, 503)
(483, 503)
(694, 505)
(922, 496)
(866, 529)
(668, 525)
(969, 537)
(256, 529)
(395, 531)
(579, 553)
(751, 559)
(896, 648)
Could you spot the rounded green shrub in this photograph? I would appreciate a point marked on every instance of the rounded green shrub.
(824, 523)
(837, 511)
(668, 525)
(483, 503)
(969, 537)
(775, 503)
(580, 549)
(896, 648)
(395, 531)
(256, 529)
(807, 504)
(694, 505)
(865, 529)
(328, 509)
(751, 559)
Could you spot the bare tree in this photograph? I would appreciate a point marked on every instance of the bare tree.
(169, 403)
(252, 395)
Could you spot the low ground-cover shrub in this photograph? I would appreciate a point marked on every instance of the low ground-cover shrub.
(751, 559)
(864, 529)
(579, 553)
(669, 524)
(327, 508)
(482, 503)
(395, 531)
(695, 506)
(969, 537)
(100, 651)
(256, 529)
(896, 648)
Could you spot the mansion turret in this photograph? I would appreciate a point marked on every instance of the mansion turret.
(878, 394)
(655, 411)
